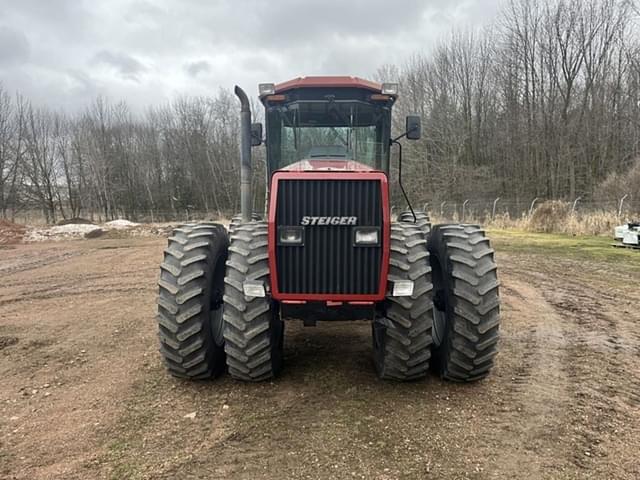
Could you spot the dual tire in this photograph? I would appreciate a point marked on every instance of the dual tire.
(450, 322)
(402, 331)
(463, 298)
(206, 323)
(253, 329)
(190, 301)
(466, 302)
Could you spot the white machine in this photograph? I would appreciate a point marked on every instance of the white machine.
(628, 235)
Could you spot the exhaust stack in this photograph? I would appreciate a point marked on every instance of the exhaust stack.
(245, 154)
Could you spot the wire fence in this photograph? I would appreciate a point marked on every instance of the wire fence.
(482, 210)
(489, 209)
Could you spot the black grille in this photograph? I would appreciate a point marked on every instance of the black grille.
(329, 263)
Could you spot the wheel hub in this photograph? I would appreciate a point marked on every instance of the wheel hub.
(217, 325)
(439, 317)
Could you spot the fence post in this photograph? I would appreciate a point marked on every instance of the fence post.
(493, 212)
(464, 207)
(621, 203)
(424, 207)
(533, 204)
(442, 208)
(575, 202)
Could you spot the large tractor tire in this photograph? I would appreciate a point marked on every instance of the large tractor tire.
(237, 220)
(253, 330)
(402, 336)
(466, 302)
(190, 301)
(422, 221)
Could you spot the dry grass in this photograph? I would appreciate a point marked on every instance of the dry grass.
(551, 217)
(10, 232)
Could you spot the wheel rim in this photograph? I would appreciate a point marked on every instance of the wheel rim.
(439, 302)
(217, 326)
(216, 303)
(439, 317)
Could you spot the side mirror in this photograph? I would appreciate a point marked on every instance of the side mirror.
(256, 134)
(414, 127)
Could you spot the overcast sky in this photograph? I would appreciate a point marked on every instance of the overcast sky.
(64, 53)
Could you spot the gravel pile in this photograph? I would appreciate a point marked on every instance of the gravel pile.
(114, 229)
(120, 224)
(62, 232)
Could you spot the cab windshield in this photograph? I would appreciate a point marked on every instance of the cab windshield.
(328, 130)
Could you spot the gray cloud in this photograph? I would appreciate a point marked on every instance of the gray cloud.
(149, 51)
(142, 12)
(196, 68)
(14, 47)
(127, 66)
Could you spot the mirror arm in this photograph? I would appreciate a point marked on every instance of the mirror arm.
(395, 140)
(406, 197)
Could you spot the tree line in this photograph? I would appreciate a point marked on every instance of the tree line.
(544, 103)
(110, 162)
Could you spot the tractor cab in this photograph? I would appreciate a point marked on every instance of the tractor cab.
(328, 123)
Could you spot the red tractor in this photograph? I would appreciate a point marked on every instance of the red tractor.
(329, 249)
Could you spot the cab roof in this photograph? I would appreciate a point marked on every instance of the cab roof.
(328, 82)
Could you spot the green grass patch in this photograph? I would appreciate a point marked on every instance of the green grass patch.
(568, 246)
(124, 444)
(118, 447)
(118, 452)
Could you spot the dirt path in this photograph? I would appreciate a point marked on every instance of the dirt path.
(84, 395)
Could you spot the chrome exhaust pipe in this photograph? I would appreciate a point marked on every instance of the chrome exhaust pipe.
(245, 154)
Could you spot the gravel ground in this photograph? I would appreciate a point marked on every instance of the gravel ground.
(84, 394)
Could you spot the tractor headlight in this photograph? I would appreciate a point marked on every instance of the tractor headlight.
(390, 88)
(366, 236)
(266, 89)
(402, 288)
(293, 236)
(254, 289)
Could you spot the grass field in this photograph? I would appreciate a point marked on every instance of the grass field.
(598, 248)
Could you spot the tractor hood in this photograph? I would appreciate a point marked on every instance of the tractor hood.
(328, 165)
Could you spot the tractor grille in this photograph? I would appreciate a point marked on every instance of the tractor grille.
(329, 263)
